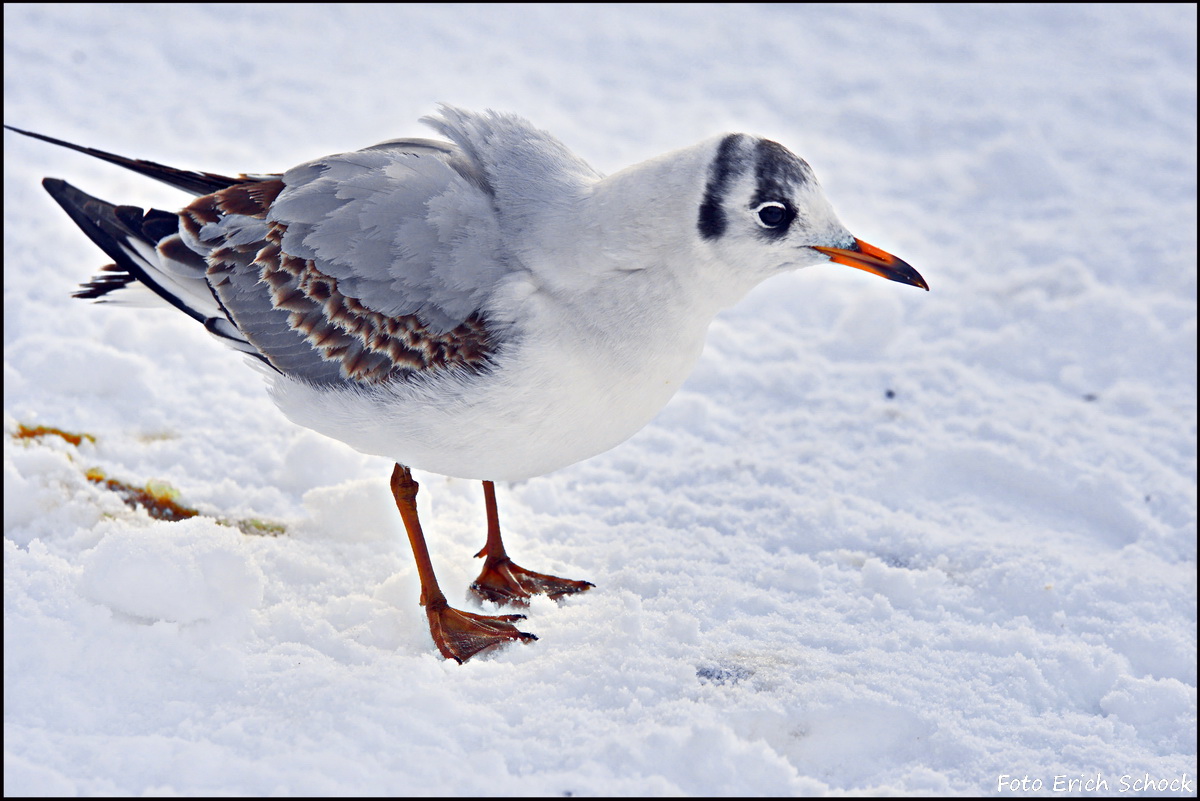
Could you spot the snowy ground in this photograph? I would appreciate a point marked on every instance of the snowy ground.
(884, 541)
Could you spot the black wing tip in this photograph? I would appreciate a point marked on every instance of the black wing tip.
(193, 181)
(36, 135)
(59, 189)
(110, 278)
(108, 226)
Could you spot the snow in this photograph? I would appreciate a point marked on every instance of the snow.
(883, 541)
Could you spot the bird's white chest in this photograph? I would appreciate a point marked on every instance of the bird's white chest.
(561, 391)
(590, 390)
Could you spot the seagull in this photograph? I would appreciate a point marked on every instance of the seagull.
(485, 306)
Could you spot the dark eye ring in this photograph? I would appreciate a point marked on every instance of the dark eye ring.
(772, 214)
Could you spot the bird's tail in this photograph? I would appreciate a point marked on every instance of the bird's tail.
(148, 254)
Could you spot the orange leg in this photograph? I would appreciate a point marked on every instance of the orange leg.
(458, 635)
(504, 582)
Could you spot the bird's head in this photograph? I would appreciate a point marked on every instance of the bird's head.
(762, 211)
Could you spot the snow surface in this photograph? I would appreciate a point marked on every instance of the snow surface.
(883, 541)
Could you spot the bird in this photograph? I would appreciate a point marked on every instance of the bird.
(485, 305)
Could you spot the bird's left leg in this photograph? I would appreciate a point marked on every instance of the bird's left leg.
(503, 581)
(458, 635)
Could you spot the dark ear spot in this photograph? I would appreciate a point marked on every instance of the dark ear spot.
(725, 167)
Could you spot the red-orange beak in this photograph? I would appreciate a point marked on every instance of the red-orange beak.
(873, 260)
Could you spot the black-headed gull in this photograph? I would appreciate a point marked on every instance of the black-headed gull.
(488, 307)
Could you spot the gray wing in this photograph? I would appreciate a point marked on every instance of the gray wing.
(359, 266)
(406, 227)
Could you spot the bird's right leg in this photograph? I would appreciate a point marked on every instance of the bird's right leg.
(502, 580)
(458, 635)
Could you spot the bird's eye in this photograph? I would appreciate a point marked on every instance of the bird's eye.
(773, 214)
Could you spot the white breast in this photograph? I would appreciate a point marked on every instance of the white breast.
(561, 391)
